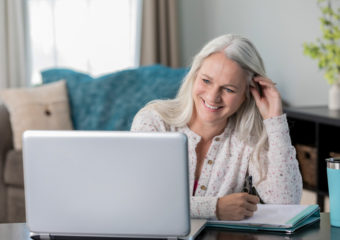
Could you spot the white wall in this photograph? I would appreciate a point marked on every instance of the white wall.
(278, 28)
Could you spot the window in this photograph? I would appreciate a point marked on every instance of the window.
(94, 36)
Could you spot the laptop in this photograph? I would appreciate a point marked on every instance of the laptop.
(107, 184)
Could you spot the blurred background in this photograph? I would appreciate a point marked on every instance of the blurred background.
(102, 36)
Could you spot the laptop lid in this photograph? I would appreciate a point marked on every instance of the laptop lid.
(90, 183)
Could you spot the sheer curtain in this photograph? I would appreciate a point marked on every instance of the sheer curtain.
(13, 54)
(93, 36)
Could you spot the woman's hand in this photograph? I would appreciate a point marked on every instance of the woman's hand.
(269, 104)
(236, 206)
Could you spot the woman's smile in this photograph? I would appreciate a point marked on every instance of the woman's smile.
(211, 108)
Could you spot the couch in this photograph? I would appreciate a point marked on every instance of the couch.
(108, 102)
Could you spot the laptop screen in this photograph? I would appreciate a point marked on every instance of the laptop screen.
(89, 183)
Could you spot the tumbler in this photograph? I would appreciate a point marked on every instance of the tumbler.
(333, 176)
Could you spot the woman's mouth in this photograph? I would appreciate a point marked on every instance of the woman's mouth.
(211, 107)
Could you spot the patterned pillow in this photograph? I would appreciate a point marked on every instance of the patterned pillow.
(40, 108)
(111, 101)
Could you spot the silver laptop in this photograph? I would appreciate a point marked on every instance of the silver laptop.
(110, 184)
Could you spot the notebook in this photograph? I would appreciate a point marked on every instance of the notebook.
(107, 184)
(274, 217)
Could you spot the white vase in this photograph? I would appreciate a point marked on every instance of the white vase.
(334, 97)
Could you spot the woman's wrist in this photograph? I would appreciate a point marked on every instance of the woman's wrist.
(277, 113)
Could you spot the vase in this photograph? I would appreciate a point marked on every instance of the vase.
(334, 97)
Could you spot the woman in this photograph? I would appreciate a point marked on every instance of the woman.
(232, 115)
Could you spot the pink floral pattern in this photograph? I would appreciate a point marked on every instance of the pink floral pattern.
(227, 161)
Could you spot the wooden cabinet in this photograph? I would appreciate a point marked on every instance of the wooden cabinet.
(318, 128)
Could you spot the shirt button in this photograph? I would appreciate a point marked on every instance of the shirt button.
(203, 187)
(217, 139)
(210, 162)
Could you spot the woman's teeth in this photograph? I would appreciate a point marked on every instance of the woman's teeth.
(211, 107)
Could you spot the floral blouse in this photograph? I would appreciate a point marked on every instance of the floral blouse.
(227, 162)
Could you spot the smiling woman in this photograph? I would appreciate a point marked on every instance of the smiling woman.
(234, 129)
(218, 91)
(93, 36)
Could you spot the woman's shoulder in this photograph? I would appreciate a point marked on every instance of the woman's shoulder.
(148, 119)
(148, 114)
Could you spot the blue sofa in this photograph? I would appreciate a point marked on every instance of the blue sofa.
(110, 102)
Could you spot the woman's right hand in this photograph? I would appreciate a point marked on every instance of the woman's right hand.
(236, 206)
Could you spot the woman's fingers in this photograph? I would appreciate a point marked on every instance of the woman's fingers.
(255, 93)
(248, 213)
(265, 84)
(236, 206)
(253, 199)
(269, 102)
(251, 207)
(263, 80)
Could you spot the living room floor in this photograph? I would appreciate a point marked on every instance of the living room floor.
(309, 197)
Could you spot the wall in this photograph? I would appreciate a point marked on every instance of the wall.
(278, 28)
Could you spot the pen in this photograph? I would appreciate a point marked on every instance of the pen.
(250, 185)
(250, 189)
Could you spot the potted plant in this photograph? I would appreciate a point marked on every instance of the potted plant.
(327, 50)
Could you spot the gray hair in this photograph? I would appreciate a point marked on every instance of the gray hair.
(247, 121)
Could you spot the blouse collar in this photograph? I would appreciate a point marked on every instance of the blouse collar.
(197, 138)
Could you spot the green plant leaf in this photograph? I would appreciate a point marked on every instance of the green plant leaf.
(327, 48)
(327, 11)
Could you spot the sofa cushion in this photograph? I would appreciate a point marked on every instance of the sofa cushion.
(6, 140)
(44, 107)
(16, 208)
(110, 102)
(13, 169)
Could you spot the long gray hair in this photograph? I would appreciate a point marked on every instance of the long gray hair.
(247, 121)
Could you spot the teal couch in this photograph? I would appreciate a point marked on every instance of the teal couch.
(110, 102)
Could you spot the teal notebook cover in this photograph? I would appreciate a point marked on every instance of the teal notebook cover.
(273, 217)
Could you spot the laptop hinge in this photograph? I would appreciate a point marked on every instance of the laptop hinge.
(172, 238)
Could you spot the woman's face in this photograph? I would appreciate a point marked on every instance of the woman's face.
(218, 91)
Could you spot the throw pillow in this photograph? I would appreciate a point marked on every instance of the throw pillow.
(110, 102)
(44, 107)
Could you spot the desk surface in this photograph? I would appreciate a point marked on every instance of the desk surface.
(319, 230)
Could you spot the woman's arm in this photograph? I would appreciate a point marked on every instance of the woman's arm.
(203, 207)
(235, 206)
(283, 182)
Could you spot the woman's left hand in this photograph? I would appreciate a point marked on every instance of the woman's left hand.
(269, 104)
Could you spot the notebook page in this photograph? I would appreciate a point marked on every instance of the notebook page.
(270, 215)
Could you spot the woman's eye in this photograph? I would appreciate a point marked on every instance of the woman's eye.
(229, 90)
(205, 80)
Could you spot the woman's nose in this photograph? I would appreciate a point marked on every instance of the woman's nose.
(214, 95)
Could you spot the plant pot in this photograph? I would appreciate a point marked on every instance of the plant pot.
(334, 97)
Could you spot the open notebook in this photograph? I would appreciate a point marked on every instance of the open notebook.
(273, 217)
